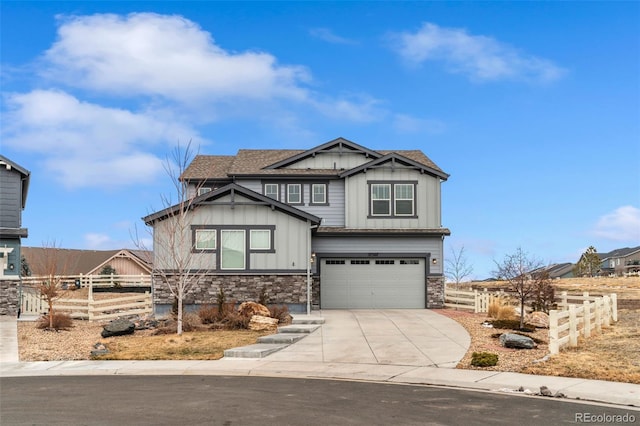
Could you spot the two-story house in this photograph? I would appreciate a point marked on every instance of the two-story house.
(14, 185)
(340, 223)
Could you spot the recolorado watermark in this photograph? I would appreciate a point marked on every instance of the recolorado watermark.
(604, 418)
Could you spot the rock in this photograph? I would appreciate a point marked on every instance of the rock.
(118, 327)
(516, 341)
(248, 309)
(99, 349)
(259, 323)
(537, 319)
(544, 391)
(559, 395)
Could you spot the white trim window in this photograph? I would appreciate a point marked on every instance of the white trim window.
(380, 199)
(206, 239)
(319, 193)
(294, 193)
(233, 249)
(272, 190)
(260, 239)
(403, 199)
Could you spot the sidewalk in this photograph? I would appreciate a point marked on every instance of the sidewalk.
(582, 389)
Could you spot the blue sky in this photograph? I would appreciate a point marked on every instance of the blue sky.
(532, 107)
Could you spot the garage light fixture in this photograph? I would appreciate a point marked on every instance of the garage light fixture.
(434, 261)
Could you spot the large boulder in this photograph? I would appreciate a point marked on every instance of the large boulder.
(516, 341)
(537, 319)
(259, 323)
(118, 327)
(249, 309)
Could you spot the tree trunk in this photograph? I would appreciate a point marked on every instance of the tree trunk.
(179, 328)
(522, 314)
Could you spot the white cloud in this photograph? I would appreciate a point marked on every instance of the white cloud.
(161, 55)
(88, 145)
(478, 57)
(329, 36)
(407, 124)
(97, 241)
(622, 224)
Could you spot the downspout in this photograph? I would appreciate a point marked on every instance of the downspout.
(309, 268)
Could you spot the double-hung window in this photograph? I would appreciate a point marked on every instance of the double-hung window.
(272, 190)
(403, 198)
(319, 193)
(389, 199)
(294, 193)
(380, 199)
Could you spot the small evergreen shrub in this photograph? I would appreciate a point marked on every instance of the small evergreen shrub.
(262, 297)
(484, 359)
(512, 324)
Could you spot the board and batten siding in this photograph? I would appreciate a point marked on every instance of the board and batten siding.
(427, 200)
(10, 198)
(331, 160)
(290, 236)
(390, 245)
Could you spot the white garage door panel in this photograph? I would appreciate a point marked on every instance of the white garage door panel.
(357, 285)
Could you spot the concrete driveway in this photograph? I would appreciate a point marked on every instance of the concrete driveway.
(390, 336)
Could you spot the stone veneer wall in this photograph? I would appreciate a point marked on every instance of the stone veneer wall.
(280, 289)
(435, 292)
(9, 297)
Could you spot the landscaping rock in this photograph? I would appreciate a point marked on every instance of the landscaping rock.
(99, 349)
(516, 341)
(544, 391)
(118, 327)
(537, 319)
(259, 323)
(249, 309)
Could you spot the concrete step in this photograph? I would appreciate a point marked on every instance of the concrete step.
(306, 319)
(298, 328)
(287, 338)
(259, 350)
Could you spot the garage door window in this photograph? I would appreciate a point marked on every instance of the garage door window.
(385, 262)
(359, 262)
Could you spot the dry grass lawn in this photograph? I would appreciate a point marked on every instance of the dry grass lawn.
(197, 345)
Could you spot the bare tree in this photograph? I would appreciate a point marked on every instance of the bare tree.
(175, 260)
(51, 267)
(516, 268)
(457, 267)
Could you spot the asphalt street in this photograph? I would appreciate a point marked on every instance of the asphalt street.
(229, 400)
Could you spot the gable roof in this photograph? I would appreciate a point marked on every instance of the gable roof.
(621, 252)
(232, 189)
(394, 157)
(264, 162)
(26, 175)
(75, 261)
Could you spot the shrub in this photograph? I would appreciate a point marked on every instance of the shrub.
(232, 320)
(61, 321)
(484, 359)
(208, 314)
(512, 324)
(262, 296)
(499, 308)
(191, 321)
(281, 313)
(221, 299)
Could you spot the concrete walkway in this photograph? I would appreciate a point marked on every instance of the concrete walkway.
(394, 346)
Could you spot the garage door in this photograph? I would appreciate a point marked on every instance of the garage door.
(372, 283)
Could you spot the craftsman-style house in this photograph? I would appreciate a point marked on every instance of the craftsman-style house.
(345, 225)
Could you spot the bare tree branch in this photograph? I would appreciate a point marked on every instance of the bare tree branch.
(457, 266)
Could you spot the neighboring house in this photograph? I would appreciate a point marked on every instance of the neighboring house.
(620, 262)
(14, 186)
(557, 270)
(86, 262)
(363, 226)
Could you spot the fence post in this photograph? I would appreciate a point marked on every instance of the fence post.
(476, 302)
(573, 326)
(553, 332)
(614, 306)
(90, 288)
(598, 308)
(587, 318)
(563, 298)
(90, 308)
(606, 302)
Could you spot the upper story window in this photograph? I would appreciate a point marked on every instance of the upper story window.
(319, 193)
(272, 190)
(294, 193)
(390, 199)
(203, 190)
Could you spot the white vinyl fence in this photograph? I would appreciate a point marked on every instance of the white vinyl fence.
(583, 318)
(472, 300)
(32, 302)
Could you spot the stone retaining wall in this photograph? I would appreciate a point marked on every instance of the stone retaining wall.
(435, 292)
(9, 297)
